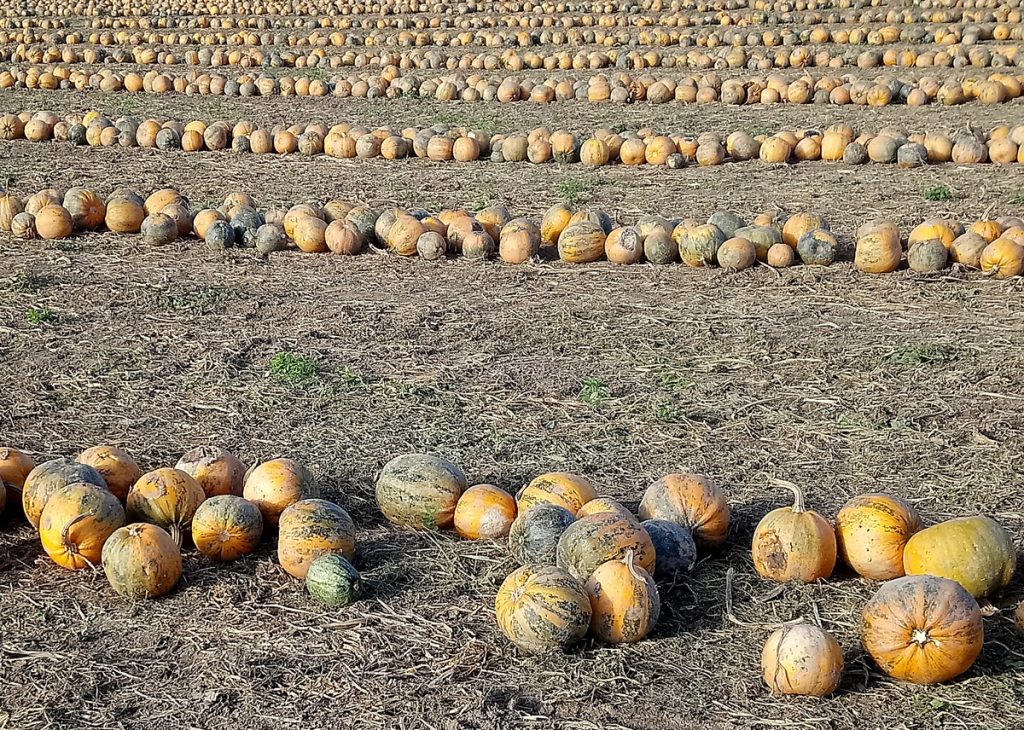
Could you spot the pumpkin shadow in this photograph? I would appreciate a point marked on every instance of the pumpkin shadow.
(20, 542)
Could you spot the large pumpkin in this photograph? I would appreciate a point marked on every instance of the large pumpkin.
(802, 659)
(624, 601)
(557, 487)
(533, 536)
(794, 543)
(274, 485)
(167, 498)
(310, 528)
(484, 512)
(50, 477)
(420, 491)
(976, 552)
(118, 469)
(217, 471)
(541, 608)
(141, 561)
(590, 541)
(226, 527)
(922, 629)
(692, 501)
(675, 552)
(87, 209)
(871, 533)
(332, 581)
(15, 465)
(581, 243)
(54, 221)
(75, 523)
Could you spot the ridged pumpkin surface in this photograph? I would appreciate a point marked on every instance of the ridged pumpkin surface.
(581, 243)
(141, 561)
(603, 505)
(690, 500)
(227, 527)
(420, 491)
(217, 471)
(922, 629)
(593, 540)
(533, 536)
(802, 659)
(274, 485)
(556, 487)
(484, 512)
(167, 498)
(541, 608)
(871, 533)
(75, 523)
(976, 552)
(332, 581)
(49, 478)
(118, 469)
(624, 602)
(310, 528)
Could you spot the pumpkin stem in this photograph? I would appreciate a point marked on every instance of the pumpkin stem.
(920, 637)
(175, 532)
(799, 501)
(628, 560)
(65, 538)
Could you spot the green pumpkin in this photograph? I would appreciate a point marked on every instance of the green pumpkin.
(332, 581)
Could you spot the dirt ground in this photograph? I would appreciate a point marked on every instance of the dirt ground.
(908, 384)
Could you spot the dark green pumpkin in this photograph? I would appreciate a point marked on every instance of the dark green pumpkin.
(595, 539)
(727, 222)
(533, 536)
(763, 238)
(76, 135)
(332, 581)
(817, 248)
(659, 248)
(219, 236)
(246, 222)
(674, 549)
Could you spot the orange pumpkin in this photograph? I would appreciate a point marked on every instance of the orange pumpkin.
(274, 485)
(54, 221)
(794, 543)
(624, 246)
(227, 527)
(603, 505)
(75, 523)
(118, 469)
(87, 209)
(50, 477)
(555, 220)
(141, 561)
(692, 501)
(922, 629)
(484, 512)
(124, 216)
(624, 601)
(799, 224)
(802, 659)
(310, 528)
(1002, 259)
(559, 488)
(871, 532)
(217, 471)
(541, 608)
(167, 498)
(15, 465)
(590, 541)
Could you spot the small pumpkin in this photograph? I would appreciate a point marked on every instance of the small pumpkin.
(49, 478)
(624, 601)
(420, 491)
(675, 552)
(141, 561)
(274, 485)
(310, 528)
(159, 229)
(75, 523)
(216, 470)
(691, 501)
(737, 254)
(541, 608)
(794, 543)
(332, 581)
(922, 629)
(977, 552)
(484, 512)
(15, 466)
(557, 487)
(872, 531)
(167, 498)
(802, 659)
(590, 541)
(780, 256)
(118, 469)
(534, 534)
(226, 527)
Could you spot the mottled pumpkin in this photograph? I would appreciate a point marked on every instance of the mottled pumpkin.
(167, 498)
(922, 629)
(484, 512)
(226, 527)
(75, 523)
(218, 471)
(310, 528)
(799, 224)
(802, 659)
(141, 561)
(794, 543)
(871, 533)
(977, 552)
(602, 505)
(332, 581)
(692, 501)
(675, 552)
(534, 535)
(590, 541)
(274, 485)
(624, 601)
(118, 469)
(541, 608)
(50, 477)
(581, 243)
(87, 209)
(420, 491)
(557, 487)
(698, 245)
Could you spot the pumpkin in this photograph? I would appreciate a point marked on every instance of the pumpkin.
(590, 541)
(484, 512)
(541, 608)
(215, 470)
(53, 221)
(310, 234)
(160, 199)
(23, 226)
(555, 220)
(675, 552)
(930, 230)
(274, 485)
(928, 256)
(15, 465)
(736, 254)
(1002, 259)
(518, 241)
(309, 528)
(141, 561)
(799, 224)
(624, 246)
(269, 238)
(780, 256)
(624, 601)
(818, 247)
(332, 581)
(794, 543)
(691, 501)
(118, 469)
(219, 235)
(10, 206)
(878, 253)
(431, 246)
(75, 523)
(967, 249)
(595, 153)
(159, 229)
(601, 505)
(49, 478)
(976, 552)
(87, 209)
(557, 487)
(871, 532)
(124, 216)
(659, 248)
(420, 491)
(477, 245)
(342, 237)
(226, 527)
(534, 534)
(698, 245)
(581, 243)
(922, 629)
(802, 659)
(167, 498)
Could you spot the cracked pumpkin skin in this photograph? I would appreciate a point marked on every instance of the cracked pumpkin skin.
(794, 544)
(871, 532)
(923, 629)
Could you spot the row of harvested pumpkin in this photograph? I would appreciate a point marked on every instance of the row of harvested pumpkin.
(1000, 145)
(994, 246)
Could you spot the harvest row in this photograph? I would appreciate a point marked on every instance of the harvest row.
(995, 246)
(1001, 145)
(589, 564)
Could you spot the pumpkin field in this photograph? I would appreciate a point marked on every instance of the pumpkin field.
(645, 364)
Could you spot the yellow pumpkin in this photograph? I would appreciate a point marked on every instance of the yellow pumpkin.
(872, 531)
(802, 659)
(559, 488)
(976, 552)
(541, 608)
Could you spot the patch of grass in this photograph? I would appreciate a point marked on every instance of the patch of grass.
(674, 381)
(923, 355)
(937, 193)
(593, 392)
(668, 412)
(66, 245)
(42, 315)
(571, 190)
(1017, 199)
(312, 73)
(293, 369)
(26, 281)
(351, 379)
(487, 197)
(199, 301)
